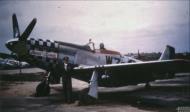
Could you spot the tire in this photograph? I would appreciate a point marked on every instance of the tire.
(43, 89)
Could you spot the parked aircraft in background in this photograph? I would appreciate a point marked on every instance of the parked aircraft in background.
(12, 63)
(101, 66)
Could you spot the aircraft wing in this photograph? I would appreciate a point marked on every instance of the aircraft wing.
(128, 73)
(160, 66)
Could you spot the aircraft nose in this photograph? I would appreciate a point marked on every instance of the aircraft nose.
(12, 44)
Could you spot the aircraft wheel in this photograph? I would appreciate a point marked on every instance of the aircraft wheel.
(43, 89)
(85, 99)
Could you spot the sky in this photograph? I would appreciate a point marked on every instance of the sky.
(125, 26)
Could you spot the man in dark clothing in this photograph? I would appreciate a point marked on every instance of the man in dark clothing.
(66, 79)
(55, 72)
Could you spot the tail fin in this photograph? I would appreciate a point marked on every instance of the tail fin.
(168, 53)
(16, 32)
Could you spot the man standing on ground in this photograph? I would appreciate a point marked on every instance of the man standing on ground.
(66, 80)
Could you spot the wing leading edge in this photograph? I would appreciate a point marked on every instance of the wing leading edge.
(129, 69)
(128, 73)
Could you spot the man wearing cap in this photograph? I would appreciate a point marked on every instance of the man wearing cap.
(66, 80)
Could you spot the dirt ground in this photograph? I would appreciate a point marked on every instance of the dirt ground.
(164, 96)
(19, 97)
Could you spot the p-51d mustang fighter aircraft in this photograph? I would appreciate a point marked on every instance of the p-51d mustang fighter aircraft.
(101, 67)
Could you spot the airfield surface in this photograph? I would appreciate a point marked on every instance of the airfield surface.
(164, 96)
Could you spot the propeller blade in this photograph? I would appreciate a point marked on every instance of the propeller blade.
(28, 30)
(16, 32)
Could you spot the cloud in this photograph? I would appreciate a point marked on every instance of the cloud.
(123, 25)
